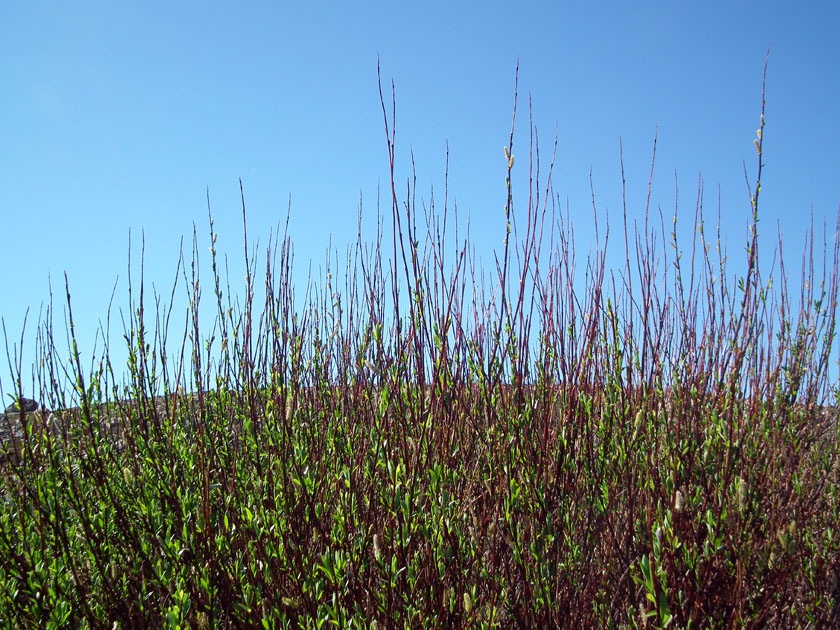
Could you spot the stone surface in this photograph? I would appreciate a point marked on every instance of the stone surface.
(29, 405)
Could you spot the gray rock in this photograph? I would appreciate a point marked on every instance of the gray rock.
(29, 405)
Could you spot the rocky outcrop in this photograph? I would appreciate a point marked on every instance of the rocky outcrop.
(28, 405)
(11, 430)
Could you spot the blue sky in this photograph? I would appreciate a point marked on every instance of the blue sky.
(119, 116)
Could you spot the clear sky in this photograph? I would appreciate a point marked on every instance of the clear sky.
(118, 116)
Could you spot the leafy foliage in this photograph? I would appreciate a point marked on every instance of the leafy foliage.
(658, 448)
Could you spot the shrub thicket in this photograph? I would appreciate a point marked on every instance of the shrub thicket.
(424, 446)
